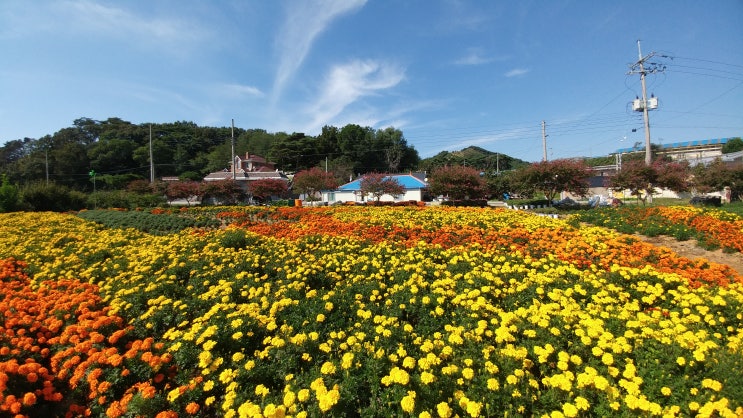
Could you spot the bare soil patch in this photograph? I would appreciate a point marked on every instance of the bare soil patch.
(691, 250)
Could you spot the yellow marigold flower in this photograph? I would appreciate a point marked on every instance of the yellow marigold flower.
(493, 384)
(694, 406)
(424, 414)
(408, 362)
(427, 378)
(443, 410)
(582, 403)
(303, 395)
(468, 373)
(289, 398)
(327, 368)
(680, 361)
(408, 402)
(569, 410)
(327, 400)
(328, 306)
(665, 390)
(347, 361)
(607, 359)
(399, 375)
(273, 411)
(712, 384)
(249, 409)
(557, 414)
(320, 317)
(261, 390)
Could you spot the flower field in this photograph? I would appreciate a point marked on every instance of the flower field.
(361, 311)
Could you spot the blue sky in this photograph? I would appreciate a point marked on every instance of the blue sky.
(447, 73)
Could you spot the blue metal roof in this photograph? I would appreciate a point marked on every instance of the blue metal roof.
(696, 143)
(407, 181)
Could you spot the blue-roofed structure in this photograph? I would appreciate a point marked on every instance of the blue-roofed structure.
(687, 150)
(413, 183)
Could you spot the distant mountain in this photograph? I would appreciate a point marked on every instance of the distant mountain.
(472, 156)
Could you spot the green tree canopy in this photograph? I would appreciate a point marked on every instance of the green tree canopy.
(379, 184)
(553, 177)
(457, 182)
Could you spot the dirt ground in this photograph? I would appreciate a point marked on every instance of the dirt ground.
(690, 249)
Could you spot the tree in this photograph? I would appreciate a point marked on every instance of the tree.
(265, 188)
(182, 190)
(225, 191)
(642, 180)
(553, 177)
(716, 176)
(378, 185)
(637, 177)
(673, 175)
(732, 145)
(139, 186)
(312, 181)
(457, 182)
(9, 196)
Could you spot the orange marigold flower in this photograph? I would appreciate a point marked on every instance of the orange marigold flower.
(192, 408)
(29, 399)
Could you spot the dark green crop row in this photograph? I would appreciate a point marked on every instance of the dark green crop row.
(157, 224)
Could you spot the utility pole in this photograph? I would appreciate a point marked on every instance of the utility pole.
(152, 161)
(544, 141)
(46, 164)
(233, 149)
(645, 105)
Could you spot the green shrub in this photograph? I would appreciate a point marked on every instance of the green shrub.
(51, 197)
(9, 196)
(123, 199)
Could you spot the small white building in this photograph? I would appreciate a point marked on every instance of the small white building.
(413, 183)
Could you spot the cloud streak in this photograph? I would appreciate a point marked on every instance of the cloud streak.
(305, 20)
(347, 83)
(517, 72)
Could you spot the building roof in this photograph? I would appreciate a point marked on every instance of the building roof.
(408, 181)
(686, 144)
(242, 175)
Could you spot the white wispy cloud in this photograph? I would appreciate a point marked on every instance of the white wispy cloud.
(239, 90)
(89, 18)
(474, 56)
(347, 83)
(305, 20)
(517, 72)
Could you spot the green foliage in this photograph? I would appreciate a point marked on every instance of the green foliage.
(379, 184)
(120, 151)
(156, 224)
(312, 181)
(124, 199)
(476, 157)
(9, 196)
(733, 145)
(717, 175)
(552, 177)
(457, 182)
(51, 197)
(238, 239)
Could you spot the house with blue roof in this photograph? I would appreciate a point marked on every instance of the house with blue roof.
(685, 151)
(414, 184)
